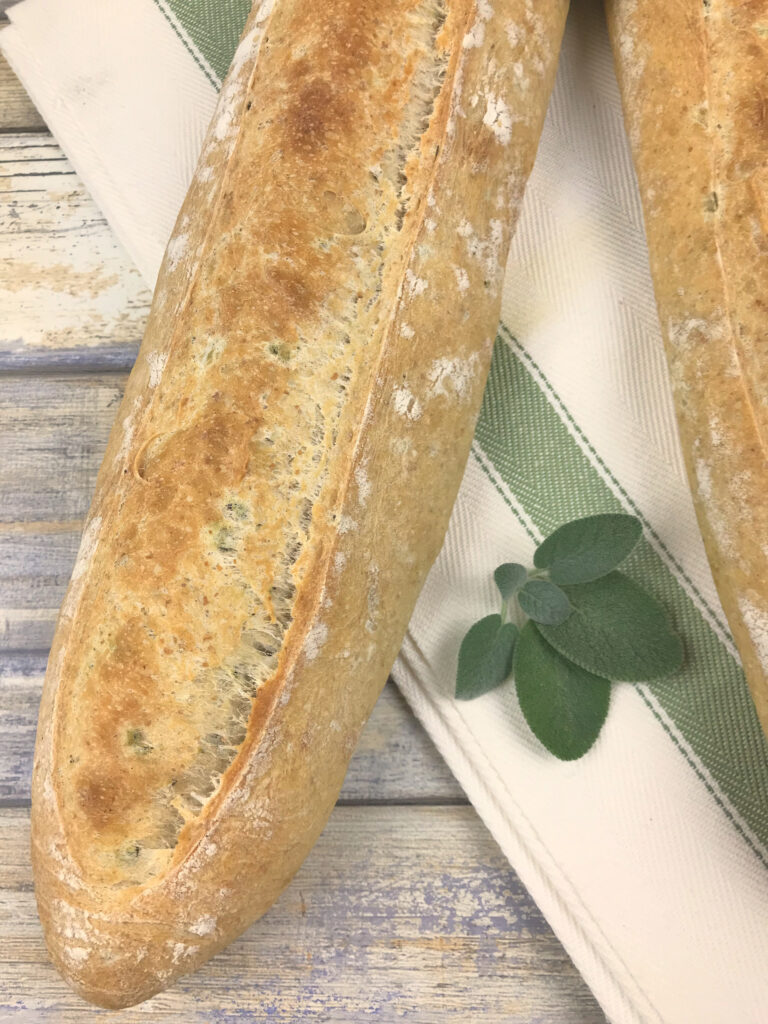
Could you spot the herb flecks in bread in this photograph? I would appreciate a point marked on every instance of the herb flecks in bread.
(260, 436)
(282, 468)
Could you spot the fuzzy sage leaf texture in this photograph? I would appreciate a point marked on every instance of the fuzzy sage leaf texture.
(616, 630)
(509, 578)
(586, 549)
(564, 705)
(587, 624)
(544, 602)
(485, 657)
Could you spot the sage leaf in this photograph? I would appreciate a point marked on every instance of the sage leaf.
(544, 602)
(485, 657)
(509, 578)
(564, 706)
(586, 549)
(616, 630)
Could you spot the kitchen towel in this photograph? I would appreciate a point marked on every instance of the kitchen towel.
(649, 856)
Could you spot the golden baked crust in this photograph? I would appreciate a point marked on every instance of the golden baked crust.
(282, 468)
(694, 79)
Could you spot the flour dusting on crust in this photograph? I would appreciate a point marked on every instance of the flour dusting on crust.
(756, 621)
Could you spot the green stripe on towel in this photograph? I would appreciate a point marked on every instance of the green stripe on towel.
(212, 28)
(528, 436)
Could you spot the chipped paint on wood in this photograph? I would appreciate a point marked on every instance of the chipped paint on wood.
(65, 281)
(399, 913)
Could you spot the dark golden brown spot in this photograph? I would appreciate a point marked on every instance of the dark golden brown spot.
(100, 799)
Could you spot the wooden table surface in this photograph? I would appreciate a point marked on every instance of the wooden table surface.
(406, 909)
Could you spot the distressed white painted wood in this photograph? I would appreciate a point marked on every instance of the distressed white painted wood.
(65, 281)
(400, 913)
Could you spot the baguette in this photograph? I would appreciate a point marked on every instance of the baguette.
(694, 81)
(281, 471)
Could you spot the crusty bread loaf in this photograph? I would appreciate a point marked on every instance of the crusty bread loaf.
(282, 468)
(694, 79)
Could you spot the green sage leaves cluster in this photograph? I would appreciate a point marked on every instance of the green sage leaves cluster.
(586, 623)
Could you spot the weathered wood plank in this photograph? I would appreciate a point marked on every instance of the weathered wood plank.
(35, 567)
(399, 913)
(17, 111)
(53, 433)
(395, 760)
(66, 284)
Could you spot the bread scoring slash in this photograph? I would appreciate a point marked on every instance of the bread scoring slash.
(282, 468)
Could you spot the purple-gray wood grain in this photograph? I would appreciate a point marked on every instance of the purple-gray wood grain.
(399, 913)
